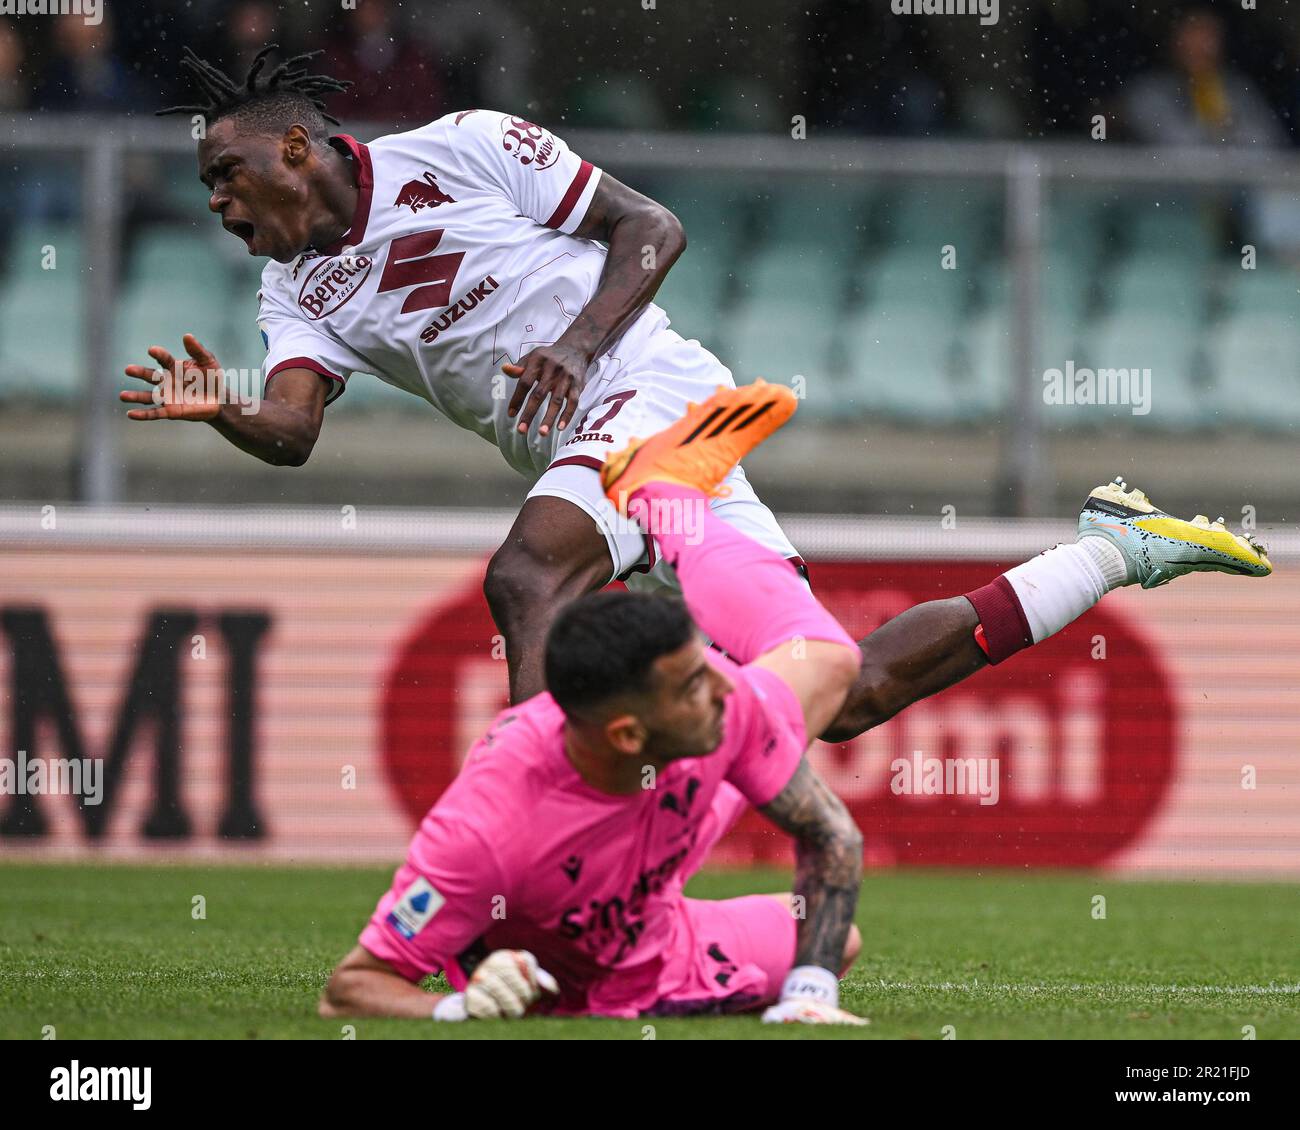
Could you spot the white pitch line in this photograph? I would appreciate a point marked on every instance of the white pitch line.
(1034, 988)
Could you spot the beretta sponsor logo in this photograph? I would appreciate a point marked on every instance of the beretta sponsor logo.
(331, 283)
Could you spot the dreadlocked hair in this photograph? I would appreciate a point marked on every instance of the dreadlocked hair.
(271, 101)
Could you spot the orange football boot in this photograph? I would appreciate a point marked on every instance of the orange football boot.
(700, 450)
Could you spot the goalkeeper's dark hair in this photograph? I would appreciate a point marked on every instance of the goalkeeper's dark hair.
(605, 644)
(268, 101)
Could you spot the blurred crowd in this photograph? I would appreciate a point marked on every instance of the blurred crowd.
(406, 70)
(1194, 74)
(1164, 74)
(1204, 73)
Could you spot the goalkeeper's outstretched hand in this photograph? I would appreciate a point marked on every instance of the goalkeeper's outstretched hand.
(810, 995)
(810, 1012)
(506, 984)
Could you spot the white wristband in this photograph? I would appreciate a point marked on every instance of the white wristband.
(812, 982)
(451, 1007)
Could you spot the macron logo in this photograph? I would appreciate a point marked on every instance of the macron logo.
(102, 1084)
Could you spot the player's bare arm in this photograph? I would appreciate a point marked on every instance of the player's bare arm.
(645, 239)
(364, 985)
(820, 672)
(828, 865)
(505, 985)
(281, 431)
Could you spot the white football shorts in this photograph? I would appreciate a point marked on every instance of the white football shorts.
(636, 397)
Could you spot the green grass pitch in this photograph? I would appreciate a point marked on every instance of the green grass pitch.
(109, 952)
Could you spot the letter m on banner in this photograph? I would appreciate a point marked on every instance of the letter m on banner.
(39, 692)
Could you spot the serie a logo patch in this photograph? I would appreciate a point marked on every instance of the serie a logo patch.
(419, 903)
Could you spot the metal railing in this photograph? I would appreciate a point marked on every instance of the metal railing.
(1027, 171)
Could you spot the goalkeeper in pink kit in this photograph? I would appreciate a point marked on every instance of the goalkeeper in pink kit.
(549, 875)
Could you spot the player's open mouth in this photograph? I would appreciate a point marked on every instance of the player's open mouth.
(243, 229)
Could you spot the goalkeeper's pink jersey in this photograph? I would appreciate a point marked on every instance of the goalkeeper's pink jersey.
(521, 853)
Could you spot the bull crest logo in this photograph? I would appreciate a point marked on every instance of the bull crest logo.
(422, 194)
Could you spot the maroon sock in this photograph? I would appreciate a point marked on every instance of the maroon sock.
(1003, 627)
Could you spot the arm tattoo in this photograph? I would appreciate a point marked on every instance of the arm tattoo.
(828, 867)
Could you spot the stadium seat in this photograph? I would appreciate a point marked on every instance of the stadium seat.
(983, 372)
(1265, 289)
(240, 339)
(698, 288)
(41, 315)
(152, 314)
(711, 206)
(828, 216)
(166, 253)
(928, 215)
(1065, 288)
(914, 278)
(900, 364)
(244, 271)
(26, 252)
(185, 280)
(1058, 339)
(1181, 227)
(694, 294)
(177, 184)
(779, 341)
(1078, 224)
(1165, 344)
(1158, 283)
(1255, 359)
(794, 274)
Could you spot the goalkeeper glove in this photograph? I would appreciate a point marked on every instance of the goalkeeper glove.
(506, 983)
(810, 995)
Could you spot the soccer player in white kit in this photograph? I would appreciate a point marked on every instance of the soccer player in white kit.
(479, 264)
(460, 262)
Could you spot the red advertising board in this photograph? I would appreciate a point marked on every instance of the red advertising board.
(293, 700)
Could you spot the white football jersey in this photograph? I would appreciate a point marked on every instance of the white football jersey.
(460, 259)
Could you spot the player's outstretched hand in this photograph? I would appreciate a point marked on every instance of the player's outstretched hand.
(550, 370)
(803, 1011)
(192, 391)
(810, 995)
(506, 983)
